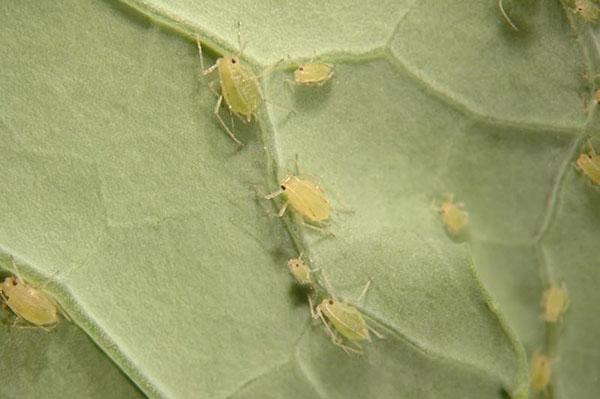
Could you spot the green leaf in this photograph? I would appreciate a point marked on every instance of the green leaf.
(117, 174)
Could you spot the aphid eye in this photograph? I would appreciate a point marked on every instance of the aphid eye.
(330, 302)
(301, 69)
(14, 281)
(233, 61)
(282, 187)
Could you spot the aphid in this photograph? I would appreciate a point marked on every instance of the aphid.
(300, 271)
(306, 198)
(28, 302)
(540, 372)
(313, 74)
(239, 87)
(554, 303)
(589, 164)
(587, 10)
(346, 319)
(454, 217)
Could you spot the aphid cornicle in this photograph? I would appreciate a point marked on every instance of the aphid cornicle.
(28, 302)
(239, 87)
(554, 303)
(589, 164)
(313, 74)
(300, 271)
(346, 319)
(540, 372)
(454, 217)
(306, 198)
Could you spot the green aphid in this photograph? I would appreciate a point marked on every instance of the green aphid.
(313, 74)
(587, 10)
(29, 302)
(239, 87)
(346, 320)
(300, 271)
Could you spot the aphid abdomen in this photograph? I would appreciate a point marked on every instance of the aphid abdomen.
(554, 303)
(348, 321)
(540, 372)
(239, 88)
(33, 306)
(308, 200)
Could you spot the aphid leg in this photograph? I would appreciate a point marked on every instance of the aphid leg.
(321, 230)
(289, 83)
(341, 204)
(274, 194)
(211, 87)
(269, 69)
(283, 209)
(505, 16)
(377, 333)
(4, 299)
(204, 71)
(296, 165)
(364, 290)
(332, 335)
(290, 110)
(314, 314)
(64, 313)
(358, 350)
(229, 132)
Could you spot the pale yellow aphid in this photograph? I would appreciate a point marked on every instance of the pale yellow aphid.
(453, 216)
(589, 164)
(345, 319)
(587, 10)
(306, 198)
(300, 271)
(313, 74)
(554, 303)
(239, 87)
(29, 302)
(540, 372)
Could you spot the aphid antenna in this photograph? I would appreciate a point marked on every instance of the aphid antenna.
(592, 151)
(222, 122)
(16, 268)
(328, 285)
(364, 290)
(505, 16)
(270, 69)
(241, 43)
(297, 164)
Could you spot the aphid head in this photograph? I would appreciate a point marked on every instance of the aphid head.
(8, 284)
(284, 184)
(300, 70)
(327, 302)
(583, 160)
(446, 207)
(294, 263)
(232, 60)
